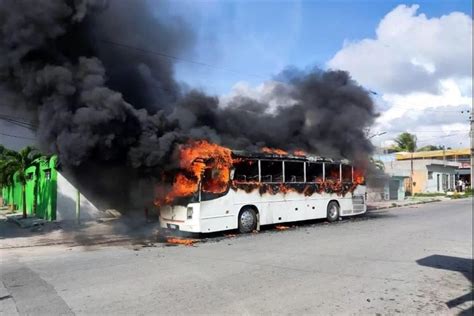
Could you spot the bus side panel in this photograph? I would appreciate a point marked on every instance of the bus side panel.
(292, 207)
(280, 208)
(218, 214)
(316, 206)
(345, 205)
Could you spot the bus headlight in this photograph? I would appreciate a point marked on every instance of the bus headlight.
(190, 212)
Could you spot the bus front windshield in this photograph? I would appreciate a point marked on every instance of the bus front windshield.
(214, 182)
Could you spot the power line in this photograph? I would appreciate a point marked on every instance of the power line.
(16, 136)
(199, 63)
(18, 123)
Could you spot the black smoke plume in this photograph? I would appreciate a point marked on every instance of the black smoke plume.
(86, 72)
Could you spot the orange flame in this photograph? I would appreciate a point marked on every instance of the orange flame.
(359, 176)
(198, 160)
(206, 164)
(181, 241)
(274, 151)
(300, 153)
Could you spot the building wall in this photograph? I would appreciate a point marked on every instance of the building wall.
(66, 202)
(440, 174)
(419, 181)
(425, 174)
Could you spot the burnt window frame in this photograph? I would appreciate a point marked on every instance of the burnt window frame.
(340, 171)
(323, 169)
(273, 161)
(285, 180)
(246, 179)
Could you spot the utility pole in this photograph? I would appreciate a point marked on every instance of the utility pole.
(78, 207)
(411, 174)
(471, 134)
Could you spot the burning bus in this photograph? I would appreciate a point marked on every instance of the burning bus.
(217, 189)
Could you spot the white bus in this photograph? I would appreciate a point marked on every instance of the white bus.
(266, 189)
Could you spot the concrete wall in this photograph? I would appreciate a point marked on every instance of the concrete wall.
(440, 173)
(66, 202)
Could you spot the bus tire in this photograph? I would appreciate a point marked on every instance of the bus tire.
(333, 211)
(247, 220)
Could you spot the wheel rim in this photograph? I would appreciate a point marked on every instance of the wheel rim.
(246, 220)
(333, 211)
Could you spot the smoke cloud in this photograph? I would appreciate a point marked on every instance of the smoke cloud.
(85, 73)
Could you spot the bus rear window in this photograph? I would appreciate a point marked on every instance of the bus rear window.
(314, 172)
(272, 171)
(294, 171)
(246, 171)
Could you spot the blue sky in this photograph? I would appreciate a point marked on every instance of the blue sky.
(254, 40)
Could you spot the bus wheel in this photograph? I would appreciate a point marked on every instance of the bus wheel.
(333, 211)
(247, 220)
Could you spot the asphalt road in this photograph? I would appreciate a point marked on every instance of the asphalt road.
(414, 260)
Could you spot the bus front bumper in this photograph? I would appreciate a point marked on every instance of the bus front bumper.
(182, 218)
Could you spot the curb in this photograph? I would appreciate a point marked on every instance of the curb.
(25, 222)
(375, 208)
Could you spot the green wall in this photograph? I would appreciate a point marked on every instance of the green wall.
(41, 189)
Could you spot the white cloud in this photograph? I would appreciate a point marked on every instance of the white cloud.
(410, 52)
(421, 68)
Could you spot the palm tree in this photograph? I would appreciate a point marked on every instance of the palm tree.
(377, 163)
(6, 172)
(17, 162)
(406, 142)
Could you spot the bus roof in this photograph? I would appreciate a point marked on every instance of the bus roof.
(273, 156)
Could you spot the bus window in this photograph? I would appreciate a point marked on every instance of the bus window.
(246, 171)
(314, 172)
(272, 171)
(346, 173)
(294, 171)
(332, 171)
(214, 180)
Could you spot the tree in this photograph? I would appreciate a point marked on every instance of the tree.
(17, 162)
(377, 163)
(406, 142)
(430, 147)
(6, 175)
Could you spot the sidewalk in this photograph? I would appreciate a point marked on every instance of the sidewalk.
(112, 230)
(372, 206)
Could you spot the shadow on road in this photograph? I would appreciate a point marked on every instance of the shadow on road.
(462, 265)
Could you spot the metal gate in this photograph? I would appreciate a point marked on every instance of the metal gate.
(393, 189)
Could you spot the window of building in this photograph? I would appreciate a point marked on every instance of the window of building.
(332, 171)
(47, 174)
(246, 171)
(294, 171)
(430, 174)
(272, 171)
(314, 172)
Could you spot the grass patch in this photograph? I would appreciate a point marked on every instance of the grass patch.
(429, 194)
